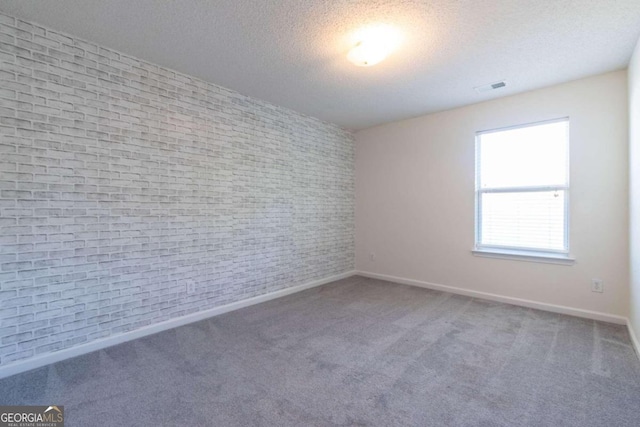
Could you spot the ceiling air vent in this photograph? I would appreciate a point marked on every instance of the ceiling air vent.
(491, 86)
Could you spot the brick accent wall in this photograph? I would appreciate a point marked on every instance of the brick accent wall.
(123, 183)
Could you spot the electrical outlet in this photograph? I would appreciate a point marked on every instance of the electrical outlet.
(372, 257)
(597, 285)
(191, 287)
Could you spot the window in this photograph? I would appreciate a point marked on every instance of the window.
(522, 191)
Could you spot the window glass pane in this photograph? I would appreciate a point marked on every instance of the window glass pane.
(533, 220)
(528, 156)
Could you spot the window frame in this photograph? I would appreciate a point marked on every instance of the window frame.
(516, 252)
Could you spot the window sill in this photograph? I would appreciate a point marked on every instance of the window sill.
(547, 258)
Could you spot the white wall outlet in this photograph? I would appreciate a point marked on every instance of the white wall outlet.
(191, 287)
(372, 257)
(597, 285)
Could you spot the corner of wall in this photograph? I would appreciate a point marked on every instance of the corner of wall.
(634, 196)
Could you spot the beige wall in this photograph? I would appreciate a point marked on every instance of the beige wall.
(415, 197)
(634, 191)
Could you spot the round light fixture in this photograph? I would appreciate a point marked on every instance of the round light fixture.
(373, 44)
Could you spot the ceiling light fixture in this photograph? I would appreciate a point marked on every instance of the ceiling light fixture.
(373, 44)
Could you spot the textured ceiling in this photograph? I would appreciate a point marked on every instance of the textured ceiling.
(293, 52)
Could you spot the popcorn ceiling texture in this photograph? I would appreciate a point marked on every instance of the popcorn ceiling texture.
(300, 47)
(122, 182)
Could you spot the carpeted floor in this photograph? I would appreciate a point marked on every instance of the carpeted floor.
(357, 352)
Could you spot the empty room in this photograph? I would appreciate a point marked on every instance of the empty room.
(319, 213)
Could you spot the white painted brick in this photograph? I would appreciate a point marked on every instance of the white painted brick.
(11, 357)
(120, 180)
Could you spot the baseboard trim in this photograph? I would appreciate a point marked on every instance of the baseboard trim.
(605, 317)
(634, 338)
(46, 359)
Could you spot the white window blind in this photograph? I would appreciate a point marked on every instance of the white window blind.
(522, 188)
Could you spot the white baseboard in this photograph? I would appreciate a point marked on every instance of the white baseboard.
(46, 359)
(605, 317)
(634, 338)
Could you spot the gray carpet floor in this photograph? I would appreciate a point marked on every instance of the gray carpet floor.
(357, 352)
